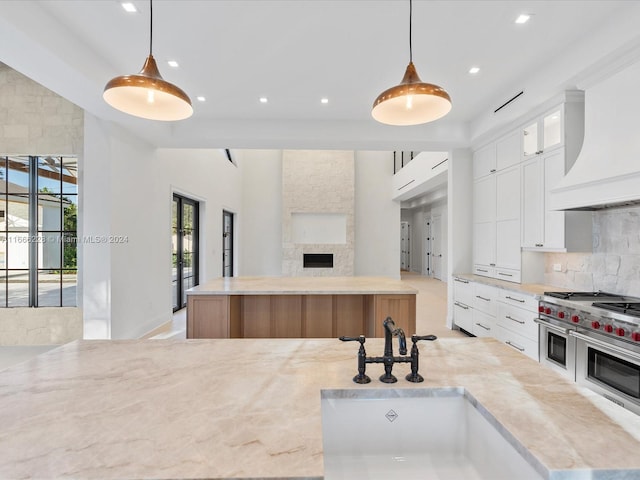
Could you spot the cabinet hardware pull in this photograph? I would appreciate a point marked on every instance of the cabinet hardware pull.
(480, 325)
(482, 298)
(514, 346)
(493, 170)
(539, 244)
(492, 264)
(515, 299)
(505, 274)
(462, 306)
(481, 270)
(460, 280)
(521, 322)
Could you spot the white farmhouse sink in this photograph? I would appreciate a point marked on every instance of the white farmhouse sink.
(430, 433)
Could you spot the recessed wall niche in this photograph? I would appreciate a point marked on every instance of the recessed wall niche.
(318, 210)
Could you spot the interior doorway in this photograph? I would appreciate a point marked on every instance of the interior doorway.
(405, 250)
(185, 248)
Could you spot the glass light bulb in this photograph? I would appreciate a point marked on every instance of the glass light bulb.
(150, 96)
(409, 102)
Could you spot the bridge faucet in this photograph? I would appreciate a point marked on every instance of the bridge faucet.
(390, 331)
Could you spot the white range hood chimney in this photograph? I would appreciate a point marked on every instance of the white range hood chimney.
(607, 170)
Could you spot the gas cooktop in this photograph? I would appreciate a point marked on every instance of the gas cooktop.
(586, 296)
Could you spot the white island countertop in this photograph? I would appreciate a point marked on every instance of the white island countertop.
(303, 286)
(251, 408)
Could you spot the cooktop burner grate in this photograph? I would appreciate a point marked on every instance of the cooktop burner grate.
(632, 309)
(578, 296)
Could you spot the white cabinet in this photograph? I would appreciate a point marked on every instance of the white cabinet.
(463, 295)
(542, 228)
(490, 311)
(508, 151)
(496, 213)
(515, 323)
(484, 161)
(543, 133)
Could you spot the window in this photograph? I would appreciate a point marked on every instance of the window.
(38, 231)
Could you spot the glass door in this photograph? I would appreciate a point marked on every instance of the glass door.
(227, 244)
(185, 255)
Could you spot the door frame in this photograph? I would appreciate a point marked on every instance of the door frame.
(195, 261)
(231, 215)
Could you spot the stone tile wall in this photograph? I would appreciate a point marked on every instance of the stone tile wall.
(316, 181)
(614, 265)
(36, 121)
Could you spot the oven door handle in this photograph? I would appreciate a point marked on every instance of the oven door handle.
(551, 326)
(600, 343)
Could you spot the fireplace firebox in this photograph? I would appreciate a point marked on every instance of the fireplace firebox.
(318, 260)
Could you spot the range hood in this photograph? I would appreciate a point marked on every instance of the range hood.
(606, 173)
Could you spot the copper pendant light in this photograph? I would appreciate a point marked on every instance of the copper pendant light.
(147, 94)
(412, 102)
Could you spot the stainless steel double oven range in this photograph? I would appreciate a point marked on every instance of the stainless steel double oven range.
(593, 338)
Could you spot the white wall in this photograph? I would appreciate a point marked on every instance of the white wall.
(459, 209)
(260, 245)
(377, 242)
(127, 193)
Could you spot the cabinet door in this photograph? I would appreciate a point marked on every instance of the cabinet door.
(463, 316)
(533, 203)
(484, 200)
(530, 140)
(508, 249)
(484, 244)
(508, 194)
(554, 225)
(483, 324)
(508, 151)
(484, 161)
(552, 130)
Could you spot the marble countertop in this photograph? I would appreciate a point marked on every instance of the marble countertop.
(249, 408)
(535, 289)
(302, 286)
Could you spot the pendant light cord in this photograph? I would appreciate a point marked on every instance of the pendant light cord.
(410, 15)
(150, 26)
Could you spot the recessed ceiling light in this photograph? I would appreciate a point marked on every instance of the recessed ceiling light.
(201, 99)
(523, 18)
(264, 99)
(474, 70)
(129, 7)
(324, 100)
(173, 63)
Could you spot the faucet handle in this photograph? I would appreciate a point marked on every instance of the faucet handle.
(360, 339)
(416, 338)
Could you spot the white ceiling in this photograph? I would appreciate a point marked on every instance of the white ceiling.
(295, 52)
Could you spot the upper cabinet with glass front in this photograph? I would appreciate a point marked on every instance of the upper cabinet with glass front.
(543, 133)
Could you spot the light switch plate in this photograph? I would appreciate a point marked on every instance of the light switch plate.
(557, 267)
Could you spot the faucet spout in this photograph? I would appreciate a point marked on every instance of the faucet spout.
(390, 330)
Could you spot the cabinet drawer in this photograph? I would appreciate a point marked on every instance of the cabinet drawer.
(518, 320)
(521, 300)
(463, 316)
(483, 324)
(517, 342)
(463, 291)
(484, 271)
(485, 298)
(508, 275)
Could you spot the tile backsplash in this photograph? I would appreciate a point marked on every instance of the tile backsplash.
(614, 265)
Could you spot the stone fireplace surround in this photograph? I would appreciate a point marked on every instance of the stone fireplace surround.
(318, 182)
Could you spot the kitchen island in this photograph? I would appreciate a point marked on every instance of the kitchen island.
(298, 307)
(251, 408)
